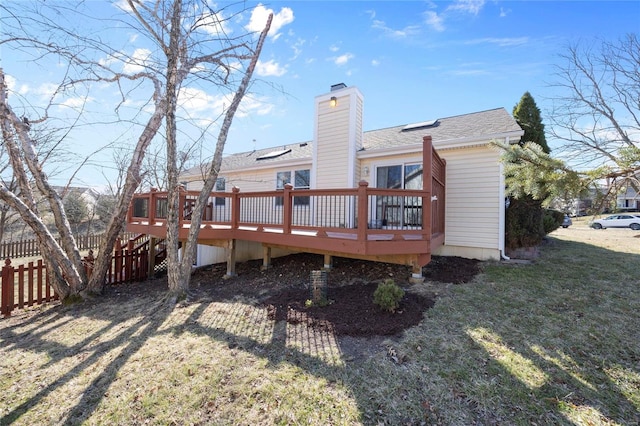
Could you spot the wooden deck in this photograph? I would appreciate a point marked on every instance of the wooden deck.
(389, 225)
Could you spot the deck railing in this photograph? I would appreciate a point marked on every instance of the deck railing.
(363, 211)
(375, 221)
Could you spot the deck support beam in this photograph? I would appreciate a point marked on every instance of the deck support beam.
(152, 256)
(416, 269)
(231, 259)
(266, 258)
(416, 274)
(328, 262)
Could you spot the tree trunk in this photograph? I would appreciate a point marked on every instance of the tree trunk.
(175, 281)
(68, 276)
(117, 222)
(189, 250)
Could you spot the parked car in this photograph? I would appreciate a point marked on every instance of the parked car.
(567, 222)
(618, 221)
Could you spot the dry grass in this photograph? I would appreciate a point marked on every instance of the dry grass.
(552, 342)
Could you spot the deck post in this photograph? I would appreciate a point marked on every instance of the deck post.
(363, 210)
(416, 273)
(427, 185)
(231, 259)
(328, 261)
(152, 256)
(287, 209)
(266, 258)
(235, 207)
(152, 205)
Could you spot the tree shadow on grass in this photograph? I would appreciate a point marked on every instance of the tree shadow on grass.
(564, 340)
(452, 366)
(143, 324)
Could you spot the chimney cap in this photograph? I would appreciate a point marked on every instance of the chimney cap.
(338, 86)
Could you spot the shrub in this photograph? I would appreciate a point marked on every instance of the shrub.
(388, 295)
(552, 220)
(524, 226)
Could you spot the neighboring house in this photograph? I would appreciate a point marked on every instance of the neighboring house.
(341, 154)
(628, 198)
(89, 195)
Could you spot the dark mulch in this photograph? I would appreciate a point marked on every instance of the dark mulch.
(284, 289)
(350, 312)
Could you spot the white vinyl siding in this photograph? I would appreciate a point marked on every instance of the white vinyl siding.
(472, 200)
(333, 150)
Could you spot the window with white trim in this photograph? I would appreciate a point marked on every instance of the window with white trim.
(220, 187)
(301, 180)
(398, 210)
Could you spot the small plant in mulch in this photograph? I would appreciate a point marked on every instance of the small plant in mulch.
(388, 295)
(320, 303)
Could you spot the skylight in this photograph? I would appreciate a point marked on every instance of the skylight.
(274, 154)
(422, 125)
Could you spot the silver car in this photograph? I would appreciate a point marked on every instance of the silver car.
(618, 221)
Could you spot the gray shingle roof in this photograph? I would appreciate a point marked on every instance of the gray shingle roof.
(477, 124)
(474, 125)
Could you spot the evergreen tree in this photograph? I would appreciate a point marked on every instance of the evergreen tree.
(527, 114)
(524, 218)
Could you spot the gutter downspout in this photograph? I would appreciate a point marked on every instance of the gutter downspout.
(503, 212)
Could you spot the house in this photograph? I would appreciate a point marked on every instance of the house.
(389, 164)
(89, 195)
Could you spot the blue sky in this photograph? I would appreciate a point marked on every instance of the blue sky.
(413, 61)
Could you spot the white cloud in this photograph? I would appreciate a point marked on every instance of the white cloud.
(270, 68)
(204, 108)
(334, 48)
(259, 17)
(251, 105)
(402, 33)
(136, 63)
(342, 59)
(122, 4)
(504, 12)
(196, 102)
(76, 103)
(11, 82)
(502, 42)
(468, 6)
(375, 62)
(433, 20)
(45, 90)
(297, 47)
(214, 24)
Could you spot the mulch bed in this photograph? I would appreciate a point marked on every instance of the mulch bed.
(284, 289)
(350, 311)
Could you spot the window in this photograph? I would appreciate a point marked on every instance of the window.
(406, 176)
(220, 187)
(140, 207)
(301, 181)
(396, 210)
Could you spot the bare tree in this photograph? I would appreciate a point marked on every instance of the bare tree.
(597, 114)
(192, 46)
(182, 53)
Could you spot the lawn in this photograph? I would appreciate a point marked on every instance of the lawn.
(555, 341)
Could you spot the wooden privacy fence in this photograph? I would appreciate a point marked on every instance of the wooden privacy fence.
(27, 285)
(28, 248)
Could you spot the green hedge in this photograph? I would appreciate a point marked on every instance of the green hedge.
(527, 223)
(552, 220)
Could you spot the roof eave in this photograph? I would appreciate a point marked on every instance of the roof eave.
(258, 165)
(511, 137)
